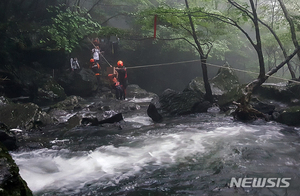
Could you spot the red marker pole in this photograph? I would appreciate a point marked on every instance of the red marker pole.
(155, 21)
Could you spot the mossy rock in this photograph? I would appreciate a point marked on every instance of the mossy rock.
(281, 92)
(290, 116)
(225, 86)
(82, 83)
(11, 183)
(175, 103)
(134, 90)
(25, 116)
(196, 86)
(226, 80)
(70, 103)
(50, 91)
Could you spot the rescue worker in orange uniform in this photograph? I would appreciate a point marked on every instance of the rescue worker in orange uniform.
(96, 69)
(122, 77)
(115, 84)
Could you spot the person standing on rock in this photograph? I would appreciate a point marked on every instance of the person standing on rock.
(96, 69)
(122, 77)
(115, 84)
(74, 64)
(96, 54)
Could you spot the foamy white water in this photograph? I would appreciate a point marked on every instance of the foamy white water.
(139, 120)
(61, 169)
(141, 100)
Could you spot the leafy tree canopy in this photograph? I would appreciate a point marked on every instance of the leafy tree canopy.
(173, 24)
(68, 28)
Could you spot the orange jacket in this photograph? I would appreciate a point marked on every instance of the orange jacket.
(96, 65)
(113, 80)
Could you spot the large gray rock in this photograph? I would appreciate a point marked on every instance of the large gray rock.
(70, 103)
(83, 83)
(282, 92)
(7, 138)
(225, 88)
(10, 85)
(11, 183)
(49, 91)
(28, 84)
(290, 116)
(133, 90)
(26, 116)
(179, 102)
(196, 86)
(63, 111)
(153, 113)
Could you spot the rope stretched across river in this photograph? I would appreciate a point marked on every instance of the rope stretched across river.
(192, 61)
(209, 64)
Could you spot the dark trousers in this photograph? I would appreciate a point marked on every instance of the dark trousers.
(119, 92)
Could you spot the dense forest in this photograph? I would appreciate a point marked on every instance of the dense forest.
(255, 36)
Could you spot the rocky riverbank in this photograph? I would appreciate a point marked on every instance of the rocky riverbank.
(23, 125)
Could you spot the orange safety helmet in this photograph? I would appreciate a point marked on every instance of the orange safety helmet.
(92, 60)
(120, 63)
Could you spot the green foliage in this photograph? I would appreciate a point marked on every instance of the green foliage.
(68, 28)
(173, 23)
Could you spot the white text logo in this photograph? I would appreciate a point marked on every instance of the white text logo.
(260, 182)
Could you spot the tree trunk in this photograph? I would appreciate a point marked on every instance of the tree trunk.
(292, 26)
(208, 91)
(244, 110)
(281, 47)
(258, 46)
(94, 5)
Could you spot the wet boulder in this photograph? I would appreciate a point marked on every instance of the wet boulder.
(82, 83)
(174, 102)
(7, 138)
(64, 111)
(10, 85)
(290, 116)
(284, 92)
(153, 113)
(26, 116)
(134, 90)
(70, 103)
(30, 85)
(196, 86)
(11, 183)
(201, 107)
(116, 117)
(225, 80)
(116, 106)
(49, 91)
(225, 89)
(225, 86)
(74, 121)
(263, 106)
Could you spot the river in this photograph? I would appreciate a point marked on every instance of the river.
(186, 155)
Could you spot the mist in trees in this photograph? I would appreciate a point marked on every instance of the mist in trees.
(250, 35)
